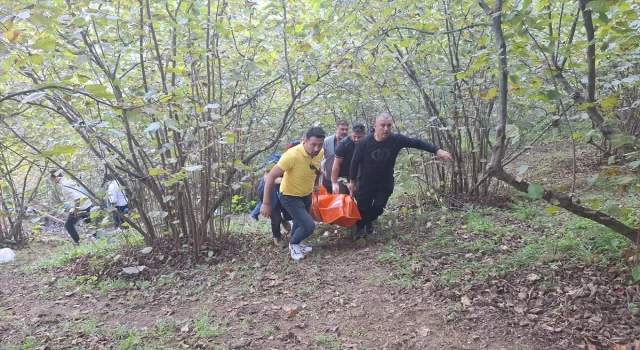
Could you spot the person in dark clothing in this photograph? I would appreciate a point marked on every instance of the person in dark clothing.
(279, 215)
(80, 205)
(372, 169)
(342, 163)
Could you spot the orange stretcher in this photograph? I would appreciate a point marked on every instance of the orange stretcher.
(339, 209)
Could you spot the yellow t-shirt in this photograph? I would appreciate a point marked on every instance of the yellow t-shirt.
(299, 176)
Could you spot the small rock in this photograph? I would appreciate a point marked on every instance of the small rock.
(133, 270)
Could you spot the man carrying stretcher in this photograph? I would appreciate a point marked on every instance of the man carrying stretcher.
(342, 163)
(300, 169)
(372, 169)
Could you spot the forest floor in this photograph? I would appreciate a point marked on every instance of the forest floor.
(499, 273)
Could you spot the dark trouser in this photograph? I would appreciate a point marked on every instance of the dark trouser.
(329, 186)
(70, 224)
(118, 215)
(278, 215)
(298, 208)
(371, 201)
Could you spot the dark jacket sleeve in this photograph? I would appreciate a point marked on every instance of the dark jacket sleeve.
(358, 156)
(410, 142)
(341, 150)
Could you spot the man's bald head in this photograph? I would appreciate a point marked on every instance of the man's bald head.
(384, 123)
(385, 116)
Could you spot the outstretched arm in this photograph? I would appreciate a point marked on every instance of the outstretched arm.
(411, 142)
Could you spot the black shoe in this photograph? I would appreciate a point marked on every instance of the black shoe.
(360, 233)
(370, 229)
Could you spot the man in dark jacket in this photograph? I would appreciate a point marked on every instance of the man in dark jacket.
(372, 169)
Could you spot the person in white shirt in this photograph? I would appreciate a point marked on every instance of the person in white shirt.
(80, 203)
(117, 198)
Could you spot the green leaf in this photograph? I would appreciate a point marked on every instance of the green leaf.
(156, 172)
(625, 180)
(585, 105)
(97, 90)
(153, 127)
(635, 273)
(552, 209)
(40, 19)
(535, 191)
(634, 165)
(239, 165)
(58, 150)
(553, 94)
(609, 103)
(45, 43)
(405, 43)
(622, 139)
(36, 59)
(79, 21)
(493, 92)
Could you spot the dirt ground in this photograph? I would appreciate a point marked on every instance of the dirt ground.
(329, 300)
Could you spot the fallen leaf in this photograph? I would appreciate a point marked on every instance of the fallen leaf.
(533, 277)
(423, 332)
(465, 300)
(291, 310)
(627, 252)
(185, 328)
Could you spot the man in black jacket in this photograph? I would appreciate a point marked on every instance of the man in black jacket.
(342, 163)
(372, 169)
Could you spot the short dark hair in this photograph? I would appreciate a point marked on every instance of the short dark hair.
(110, 177)
(342, 122)
(315, 131)
(55, 173)
(357, 128)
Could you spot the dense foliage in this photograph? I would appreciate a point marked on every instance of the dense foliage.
(184, 99)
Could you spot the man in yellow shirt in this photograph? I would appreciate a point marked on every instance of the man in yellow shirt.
(300, 167)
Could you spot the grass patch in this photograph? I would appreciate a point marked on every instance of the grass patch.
(99, 248)
(206, 329)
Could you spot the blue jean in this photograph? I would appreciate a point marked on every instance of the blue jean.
(256, 211)
(298, 208)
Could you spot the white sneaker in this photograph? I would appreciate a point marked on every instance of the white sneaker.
(305, 248)
(296, 251)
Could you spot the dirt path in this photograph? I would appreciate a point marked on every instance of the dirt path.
(340, 297)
